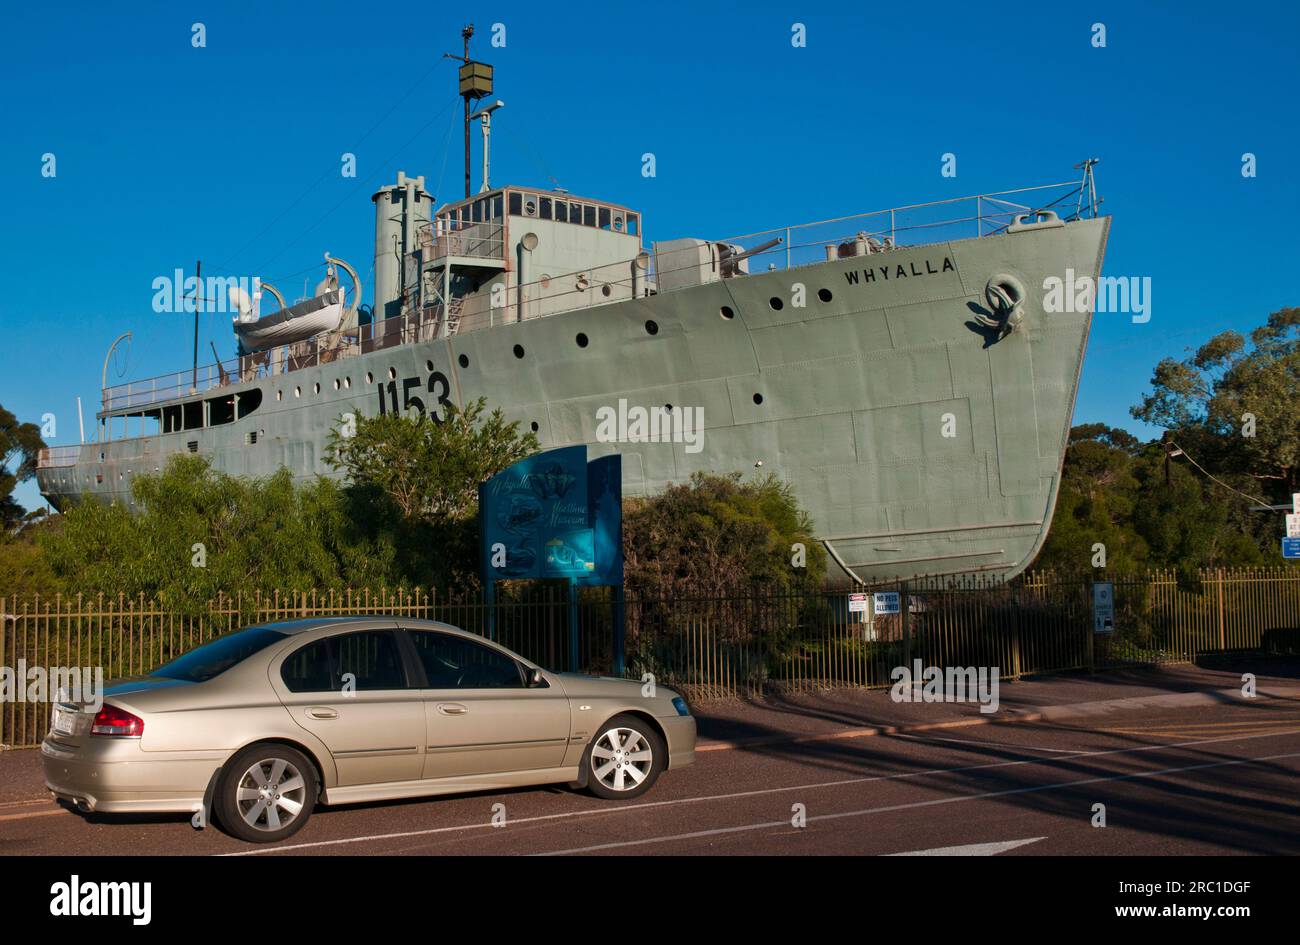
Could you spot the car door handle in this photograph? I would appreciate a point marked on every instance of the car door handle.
(319, 712)
(452, 708)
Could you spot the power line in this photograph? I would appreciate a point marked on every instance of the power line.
(1215, 478)
(316, 183)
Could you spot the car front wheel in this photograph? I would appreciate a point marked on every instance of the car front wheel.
(266, 793)
(624, 759)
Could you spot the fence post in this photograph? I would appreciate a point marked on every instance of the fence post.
(904, 627)
(1219, 576)
(1088, 628)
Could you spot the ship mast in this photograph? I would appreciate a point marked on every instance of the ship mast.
(475, 83)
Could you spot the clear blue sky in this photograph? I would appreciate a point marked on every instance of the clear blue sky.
(167, 154)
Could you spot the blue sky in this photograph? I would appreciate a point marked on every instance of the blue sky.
(231, 153)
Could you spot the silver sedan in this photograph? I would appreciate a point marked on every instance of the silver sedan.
(260, 725)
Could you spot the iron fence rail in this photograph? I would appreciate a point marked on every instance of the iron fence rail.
(708, 648)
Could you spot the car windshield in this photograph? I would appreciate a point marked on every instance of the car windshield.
(214, 658)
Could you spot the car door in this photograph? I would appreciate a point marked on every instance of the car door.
(480, 717)
(353, 692)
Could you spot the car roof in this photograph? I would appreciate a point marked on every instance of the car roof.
(304, 624)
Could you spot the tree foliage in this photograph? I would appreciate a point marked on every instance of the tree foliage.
(1113, 493)
(718, 537)
(413, 484)
(1233, 405)
(430, 471)
(196, 532)
(20, 444)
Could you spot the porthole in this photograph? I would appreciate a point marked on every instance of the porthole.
(545, 280)
(606, 291)
(279, 395)
(582, 340)
(315, 388)
(824, 294)
(727, 313)
(392, 373)
(758, 398)
(429, 366)
(519, 351)
(370, 378)
(337, 383)
(347, 383)
(651, 328)
(535, 426)
(463, 361)
(668, 407)
(776, 303)
(297, 392)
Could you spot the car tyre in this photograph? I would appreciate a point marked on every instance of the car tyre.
(266, 793)
(624, 758)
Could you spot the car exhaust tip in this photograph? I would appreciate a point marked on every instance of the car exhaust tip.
(83, 805)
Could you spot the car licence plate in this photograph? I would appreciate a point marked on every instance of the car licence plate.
(65, 722)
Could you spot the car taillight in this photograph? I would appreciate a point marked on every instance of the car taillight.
(114, 721)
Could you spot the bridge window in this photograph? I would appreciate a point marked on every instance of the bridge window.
(588, 216)
(604, 218)
(562, 211)
(516, 203)
(545, 208)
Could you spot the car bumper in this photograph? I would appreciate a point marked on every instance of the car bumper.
(680, 731)
(113, 775)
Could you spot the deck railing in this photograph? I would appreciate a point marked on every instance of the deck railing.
(799, 245)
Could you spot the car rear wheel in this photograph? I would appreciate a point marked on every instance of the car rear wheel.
(624, 759)
(267, 792)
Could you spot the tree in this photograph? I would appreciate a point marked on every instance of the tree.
(430, 471)
(720, 537)
(196, 532)
(413, 484)
(1233, 405)
(20, 445)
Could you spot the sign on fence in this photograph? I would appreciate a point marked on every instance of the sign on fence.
(887, 602)
(1293, 526)
(857, 603)
(1291, 547)
(1103, 607)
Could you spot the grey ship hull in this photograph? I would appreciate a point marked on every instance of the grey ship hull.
(854, 397)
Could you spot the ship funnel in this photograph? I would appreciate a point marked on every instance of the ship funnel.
(400, 210)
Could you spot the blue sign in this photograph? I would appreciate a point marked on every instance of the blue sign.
(1291, 547)
(554, 515)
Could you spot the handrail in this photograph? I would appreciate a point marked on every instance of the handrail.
(800, 245)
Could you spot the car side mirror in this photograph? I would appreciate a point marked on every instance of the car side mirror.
(534, 677)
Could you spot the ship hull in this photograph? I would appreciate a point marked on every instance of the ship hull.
(918, 440)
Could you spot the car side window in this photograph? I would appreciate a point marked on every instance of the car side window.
(362, 661)
(452, 662)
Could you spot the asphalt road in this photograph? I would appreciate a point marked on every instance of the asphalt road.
(1218, 779)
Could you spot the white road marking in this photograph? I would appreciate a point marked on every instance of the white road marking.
(758, 792)
(971, 741)
(973, 849)
(768, 825)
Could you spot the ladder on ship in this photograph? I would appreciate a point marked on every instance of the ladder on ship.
(453, 314)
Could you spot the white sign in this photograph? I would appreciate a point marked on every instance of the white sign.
(887, 602)
(857, 603)
(1103, 607)
(1293, 526)
(1295, 502)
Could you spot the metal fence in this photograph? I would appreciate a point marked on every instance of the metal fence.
(710, 648)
